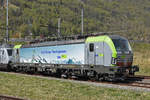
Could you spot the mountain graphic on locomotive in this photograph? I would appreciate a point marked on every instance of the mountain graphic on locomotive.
(103, 57)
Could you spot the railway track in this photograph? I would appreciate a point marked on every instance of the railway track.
(141, 76)
(144, 85)
(134, 84)
(136, 81)
(4, 97)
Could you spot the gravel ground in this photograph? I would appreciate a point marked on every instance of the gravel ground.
(91, 83)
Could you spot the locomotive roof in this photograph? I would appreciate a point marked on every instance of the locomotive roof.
(6, 46)
(117, 37)
(54, 43)
(65, 42)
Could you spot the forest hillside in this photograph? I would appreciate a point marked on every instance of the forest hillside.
(129, 18)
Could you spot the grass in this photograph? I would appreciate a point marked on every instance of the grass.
(142, 57)
(35, 88)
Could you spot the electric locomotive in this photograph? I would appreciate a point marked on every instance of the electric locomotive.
(104, 57)
(6, 56)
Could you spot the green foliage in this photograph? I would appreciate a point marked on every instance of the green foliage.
(41, 17)
(142, 57)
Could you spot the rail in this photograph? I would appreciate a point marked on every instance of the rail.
(4, 97)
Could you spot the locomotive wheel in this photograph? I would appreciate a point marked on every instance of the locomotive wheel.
(9, 68)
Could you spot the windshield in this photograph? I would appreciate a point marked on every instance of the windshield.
(9, 52)
(121, 44)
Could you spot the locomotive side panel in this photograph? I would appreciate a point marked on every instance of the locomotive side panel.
(94, 53)
(107, 55)
(100, 51)
(60, 54)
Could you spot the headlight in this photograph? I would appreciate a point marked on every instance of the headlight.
(113, 61)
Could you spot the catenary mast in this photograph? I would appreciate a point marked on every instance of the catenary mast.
(7, 34)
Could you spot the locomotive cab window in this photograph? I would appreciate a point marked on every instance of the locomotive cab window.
(91, 47)
(9, 52)
(121, 44)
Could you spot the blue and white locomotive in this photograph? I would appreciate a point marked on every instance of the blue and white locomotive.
(100, 57)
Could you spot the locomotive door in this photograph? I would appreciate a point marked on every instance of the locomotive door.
(91, 54)
(3, 56)
(0, 56)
